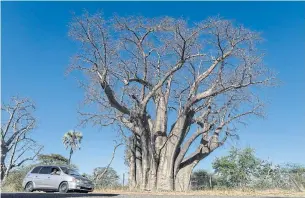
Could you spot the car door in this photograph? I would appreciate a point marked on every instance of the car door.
(54, 179)
(44, 173)
(34, 176)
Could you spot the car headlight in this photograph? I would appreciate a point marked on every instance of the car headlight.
(75, 180)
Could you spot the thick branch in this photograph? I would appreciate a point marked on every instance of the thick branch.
(110, 95)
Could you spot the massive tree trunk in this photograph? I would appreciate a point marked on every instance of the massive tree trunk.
(170, 170)
(158, 158)
(160, 178)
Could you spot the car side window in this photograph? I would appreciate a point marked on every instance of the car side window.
(36, 169)
(45, 170)
(55, 171)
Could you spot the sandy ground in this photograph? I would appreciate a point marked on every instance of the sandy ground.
(250, 193)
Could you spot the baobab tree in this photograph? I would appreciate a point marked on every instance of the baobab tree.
(180, 89)
(17, 146)
(72, 140)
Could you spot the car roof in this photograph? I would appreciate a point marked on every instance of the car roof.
(52, 165)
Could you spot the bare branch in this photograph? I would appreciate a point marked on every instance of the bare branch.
(100, 176)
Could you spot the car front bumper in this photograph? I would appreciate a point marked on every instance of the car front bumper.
(81, 186)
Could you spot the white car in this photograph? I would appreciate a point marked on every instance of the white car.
(56, 178)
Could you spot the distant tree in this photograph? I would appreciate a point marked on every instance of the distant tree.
(241, 168)
(109, 179)
(201, 179)
(17, 146)
(269, 176)
(294, 168)
(55, 159)
(72, 140)
(296, 173)
(238, 168)
(52, 159)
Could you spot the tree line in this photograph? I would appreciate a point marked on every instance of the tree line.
(241, 169)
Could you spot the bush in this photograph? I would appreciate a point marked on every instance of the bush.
(201, 179)
(15, 178)
(237, 169)
(242, 169)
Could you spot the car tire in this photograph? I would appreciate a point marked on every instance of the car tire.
(63, 187)
(29, 187)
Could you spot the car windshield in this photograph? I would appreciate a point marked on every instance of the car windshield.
(70, 171)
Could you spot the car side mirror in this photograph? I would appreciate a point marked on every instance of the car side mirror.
(57, 173)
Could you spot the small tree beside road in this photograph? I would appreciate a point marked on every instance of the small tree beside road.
(238, 168)
(110, 177)
(17, 146)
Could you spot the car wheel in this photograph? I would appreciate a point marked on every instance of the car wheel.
(29, 187)
(63, 187)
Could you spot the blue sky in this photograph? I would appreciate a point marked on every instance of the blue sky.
(36, 52)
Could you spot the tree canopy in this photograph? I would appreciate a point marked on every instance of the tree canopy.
(72, 139)
(52, 159)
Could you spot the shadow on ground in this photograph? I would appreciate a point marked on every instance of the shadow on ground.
(55, 195)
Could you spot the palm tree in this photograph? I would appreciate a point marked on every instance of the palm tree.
(72, 139)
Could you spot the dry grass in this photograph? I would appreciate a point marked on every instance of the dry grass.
(238, 193)
(7, 189)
